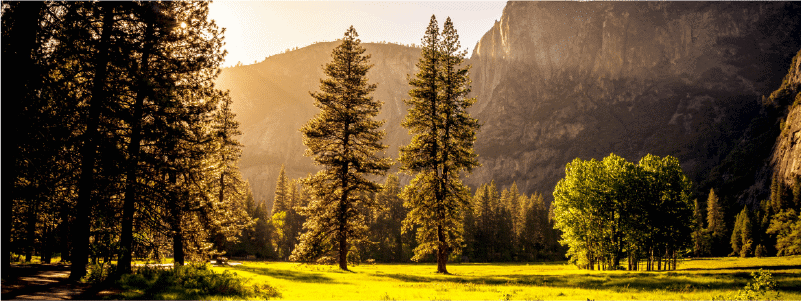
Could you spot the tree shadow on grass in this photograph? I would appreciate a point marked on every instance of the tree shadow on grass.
(675, 282)
(299, 276)
(755, 267)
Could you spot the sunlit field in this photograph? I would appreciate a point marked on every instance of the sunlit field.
(694, 279)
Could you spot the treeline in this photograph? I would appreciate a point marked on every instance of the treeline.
(121, 146)
(771, 229)
(500, 226)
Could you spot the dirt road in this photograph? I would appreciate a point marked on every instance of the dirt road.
(47, 282)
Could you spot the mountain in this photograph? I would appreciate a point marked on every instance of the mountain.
(560, 80)
(272, 102)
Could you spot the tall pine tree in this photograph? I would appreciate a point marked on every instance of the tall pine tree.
(716, 225)
(281, 200)
(442, 145)
(344, 138)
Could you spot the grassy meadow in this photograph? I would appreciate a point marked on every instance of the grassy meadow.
(694, 279)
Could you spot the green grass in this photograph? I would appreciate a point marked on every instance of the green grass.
(694, 279)
(35, 259)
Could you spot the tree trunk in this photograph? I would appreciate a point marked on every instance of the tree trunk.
(129, 208)
(178, 247)
(342, 235)
(674, 260)
(176, 214)
(343, 251)
(30, 229)
(442, 252)
(84, 203)
(46, 252)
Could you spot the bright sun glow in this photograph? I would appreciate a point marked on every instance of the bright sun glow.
(183, 24)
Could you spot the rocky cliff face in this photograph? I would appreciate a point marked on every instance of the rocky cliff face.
(786, 158)
(557, 80)
(272, 102)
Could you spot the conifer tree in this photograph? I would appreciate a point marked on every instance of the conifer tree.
(344, 138)
(281, 200)
(715, 223)
(441, 147)
(741, 236)
(700, 236)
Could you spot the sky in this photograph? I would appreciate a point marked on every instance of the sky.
(258, 29)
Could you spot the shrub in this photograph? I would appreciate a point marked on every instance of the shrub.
(760, 288)
(193, 281)
(99, 273)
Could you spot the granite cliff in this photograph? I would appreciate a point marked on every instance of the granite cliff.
(786, 157)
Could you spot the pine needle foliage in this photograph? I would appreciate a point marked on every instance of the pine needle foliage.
(443, 134)
(344, 138)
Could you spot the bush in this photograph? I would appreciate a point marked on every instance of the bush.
(760, 288)
(193, 282)
(99, 273)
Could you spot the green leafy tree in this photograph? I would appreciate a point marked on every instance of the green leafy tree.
(344, 138)
(672, 216)
(607, 208)
(443, 134)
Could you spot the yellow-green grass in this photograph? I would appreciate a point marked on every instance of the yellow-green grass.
(694, 279)
(35, 259)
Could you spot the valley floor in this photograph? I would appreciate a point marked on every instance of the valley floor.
(704, 278)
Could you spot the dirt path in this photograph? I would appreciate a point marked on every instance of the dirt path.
(47, 282)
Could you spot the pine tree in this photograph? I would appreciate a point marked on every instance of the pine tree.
(344, 138)
(778, 194)
(700, 236)
(281, 200)
(441, 147)
(715, 223)
(741, 236)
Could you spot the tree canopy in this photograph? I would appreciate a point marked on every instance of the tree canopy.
(613, 208)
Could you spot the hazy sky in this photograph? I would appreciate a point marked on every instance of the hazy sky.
(258, 29)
